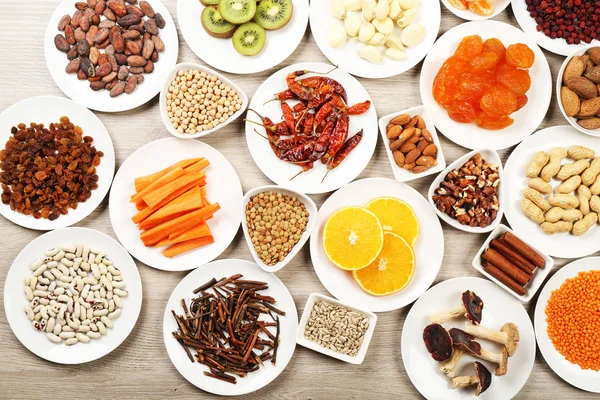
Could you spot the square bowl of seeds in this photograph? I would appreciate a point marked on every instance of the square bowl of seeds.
(336, 329)
(196, 101)
(277, 222)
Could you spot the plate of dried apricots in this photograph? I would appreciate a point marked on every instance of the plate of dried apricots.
(486, 90)
(476, 10)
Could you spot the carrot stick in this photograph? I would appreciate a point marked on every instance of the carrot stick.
(197, 166)
(154, 235)
(183, 204)
(141, 204)
(156, 196)
(199, 231)
(163, 180)
(143, 181)
(188, 245)
(208, 212)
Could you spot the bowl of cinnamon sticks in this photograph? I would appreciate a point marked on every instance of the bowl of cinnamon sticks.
(514, 265)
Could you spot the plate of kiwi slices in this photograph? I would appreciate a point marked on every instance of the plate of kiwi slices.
(243, 36)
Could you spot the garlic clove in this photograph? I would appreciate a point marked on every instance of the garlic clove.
(337, 35)
(371, 54)
(368, 9)
(395, 54)
(413, 34)
(408, 4)
(382, 9)
(393, 42)
(385, 25)
(352, 22)
(336, 7)
(407, 17)
(352, 5)
(395, 10)
(366, 32)
(377, 40)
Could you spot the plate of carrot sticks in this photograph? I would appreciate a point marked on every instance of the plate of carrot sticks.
(174, 204)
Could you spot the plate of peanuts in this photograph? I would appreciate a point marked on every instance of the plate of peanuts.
(72, 295)
(553, 192)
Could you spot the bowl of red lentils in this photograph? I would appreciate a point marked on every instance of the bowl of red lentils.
(196, 101)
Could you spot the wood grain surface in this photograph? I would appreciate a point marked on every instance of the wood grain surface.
(140, 367)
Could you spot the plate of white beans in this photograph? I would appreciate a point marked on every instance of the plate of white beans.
(72, 295)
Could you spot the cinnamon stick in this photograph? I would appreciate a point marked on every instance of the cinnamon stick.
(511, 254)
(499, 261)
(525, 250)
(502, 277)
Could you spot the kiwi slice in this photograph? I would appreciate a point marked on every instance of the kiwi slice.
(273, 14)
(209, 2)
(215, 25)
(249, 39)
(237, 11)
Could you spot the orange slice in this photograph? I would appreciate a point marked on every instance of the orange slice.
(458, 4)
(482, 7)
(391, 271)
(396, 216)
(352, 238)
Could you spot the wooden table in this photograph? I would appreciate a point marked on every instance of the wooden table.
(140, 367)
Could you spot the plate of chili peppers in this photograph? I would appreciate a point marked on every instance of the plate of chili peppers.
(311, 127)
(230, 327)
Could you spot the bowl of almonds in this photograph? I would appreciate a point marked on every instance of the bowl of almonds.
(578, 90)
(412, 144)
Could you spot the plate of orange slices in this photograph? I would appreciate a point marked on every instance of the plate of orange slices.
(476, 10)
(377, 245)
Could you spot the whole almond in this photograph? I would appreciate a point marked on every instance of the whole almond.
(583, 87)
(412, 122)
(407, 133)
(420, 122)
(409, 166)
(406, 147)
(430, 150)
(590, 123)
(420, 168)
(412, 156)
(421, 145)
(413, 140)
(570, 101)
(395, 145)
(398, 158)
(400, 119)
(426, 135)
(589, 108)
(574, 68)
(594, 54)
(394, 132)
(426, 161)
(593, 74)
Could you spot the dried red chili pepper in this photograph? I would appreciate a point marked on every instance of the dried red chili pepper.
(344, 151)
(338, 137)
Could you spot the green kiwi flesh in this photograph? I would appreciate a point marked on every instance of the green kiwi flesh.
(237, 11)
(249, 39)
(215, 25)
(209, 2)
(273, 14)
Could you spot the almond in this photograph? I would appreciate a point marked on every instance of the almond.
(574, 68)
(589, 108)
(420, 168)
(421, 122)
(430, 150)
(590, 123)
(400, 119)
(412, 122)
(399, 158)
(426, 161)
(593, 74)
(407, 133)
(594, 54)
(421, 145)
(406, 147)
(427, 135)
(412, 156)
(570, 101)
(394, 132)
(583, 87)
(409, 167)
(395, 145)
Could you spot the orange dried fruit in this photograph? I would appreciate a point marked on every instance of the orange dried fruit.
(469, 47)
(462, 111)
(498, 101)
(445, 83)
(483, 61)
(495, 46)
(458, 4)
(520, 55)
(471, 85)
(517, 80)
(487, 122)
(521, 101)
(482, 7)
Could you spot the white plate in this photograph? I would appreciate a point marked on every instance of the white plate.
(429, 249)
(526, 120)
(499, 308)
(563, 245)
(489, 156)
(303, 341)
(163, 100)
(559, 84)
(528, 24)
(499, 6)
(45, 110)
(572, 373)
(346, 56)
(309, 182)
(222, 186)
(220, 53)
(193, 372)
(539, 275)
(80, 91)
(311, 207)
(15, 301)
(401, 174)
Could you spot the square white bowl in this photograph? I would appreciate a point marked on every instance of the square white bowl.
(539, 274)
(490, 156)
(303, 341)
(163, 100)
(400, 174)
(311, 207)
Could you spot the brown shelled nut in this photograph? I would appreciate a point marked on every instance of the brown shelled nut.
(411, 143)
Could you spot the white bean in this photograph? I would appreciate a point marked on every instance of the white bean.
(63, 269)
(48, 275)
(62, 284)
(81, 273)
(36, 264)
(39, 286)
(78, 250)
(51, 325)
(40, 270)
(40, 293)
(65, 279)
(44, 301)
(52, 264)
(96, 271)
(102, 269)
(90, 313)
(73, 323)
(66, 335)
(93, 335)
(91, 258)
(101, 328)
(106, 262)
(70, 305)
(120, 293)
(97, 294)
(118, 284)
(59, 291)
(72, 272)
(111, 305)
(67, 328)
(44, 312)
(28, 293)
(79, 283)
(107, 321)
(113, 270)
(117, 300)
(63, 298)
(95, 250)
(43, 280)
(115, 314)
(90, 280)
(57, 329)
(100, 313)
(76, 310)
(56, 272)
(109, 295)
(83, 338)
(85, 266)
(83, 329)
(52, 252)
(99, 257)
(66, 262)
(85, 252)
(53, 338)
(95, 287)
(33, 283)
(86, 322)
(59, 256)
(70, 342)
(29, 312)
(52, 286)
(94, 327)
(72, 289)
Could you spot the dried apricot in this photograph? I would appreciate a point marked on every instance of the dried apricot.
(498, 101)
(483, 61)
(517, 80)
(458, 4)
(487, 122)
(469, 47)
(521, 101)
(462, 111)
(495, 46)
(520, 55)
(445, 83)
(471, 86)
(482, 7)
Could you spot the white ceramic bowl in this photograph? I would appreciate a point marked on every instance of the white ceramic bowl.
(539, 275)
(401, 174)
(499, 6)
(190, 66)
(312, 221)
(303, 341)
(573, 121)
(489, 156)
